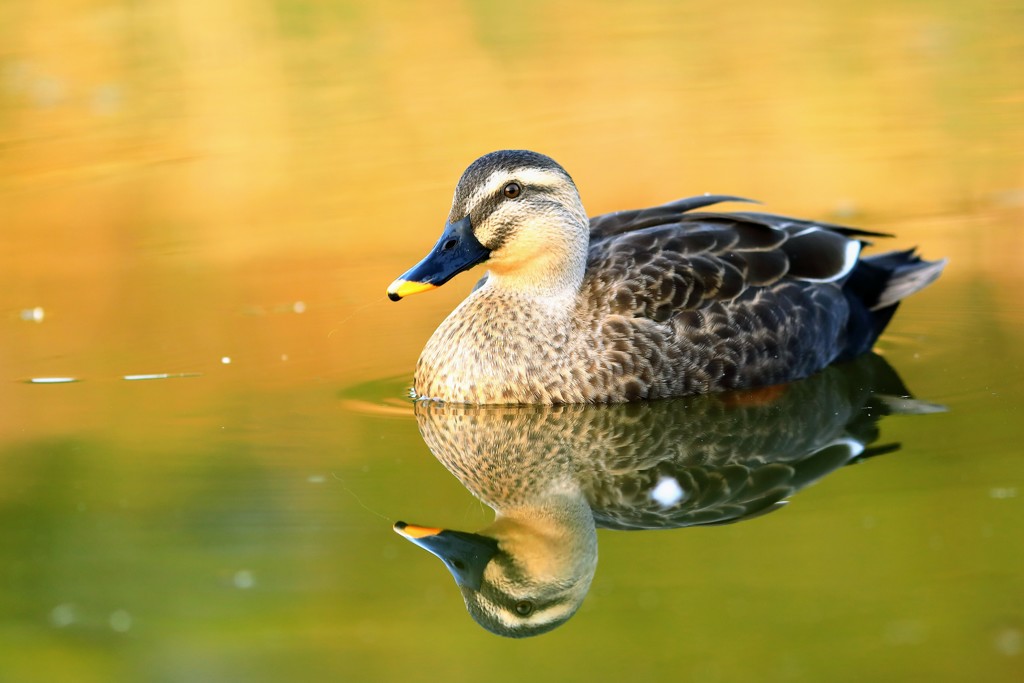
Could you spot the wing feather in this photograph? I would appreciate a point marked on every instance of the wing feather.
(656, 263)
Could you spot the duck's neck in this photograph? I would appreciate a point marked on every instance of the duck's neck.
(544, 283)
(528, 299)
(541, 266)
(555, 538)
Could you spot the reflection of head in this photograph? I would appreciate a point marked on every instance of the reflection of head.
(511, 602)
(526, 573)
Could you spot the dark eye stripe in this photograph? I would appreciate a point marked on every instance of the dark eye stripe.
(524, 188)
(513, 574)
(490, 204)
(506, 602)
(481, 212)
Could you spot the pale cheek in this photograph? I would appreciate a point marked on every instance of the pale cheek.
(503, 263)
(518, 254)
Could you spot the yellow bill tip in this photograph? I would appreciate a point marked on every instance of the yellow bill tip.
(413, 531)
(399, 289)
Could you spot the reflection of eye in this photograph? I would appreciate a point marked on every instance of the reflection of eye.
(512, 190)
(524, 607)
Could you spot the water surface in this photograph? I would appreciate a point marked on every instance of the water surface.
(214, 196)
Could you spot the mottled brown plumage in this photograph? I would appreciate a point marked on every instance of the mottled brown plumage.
(653, 303)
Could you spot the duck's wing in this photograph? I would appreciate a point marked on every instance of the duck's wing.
(619, 222)
(656, 262)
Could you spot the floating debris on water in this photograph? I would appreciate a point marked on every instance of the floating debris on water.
(161, 375)
(276, 309)
(34, 315)
(226, 360)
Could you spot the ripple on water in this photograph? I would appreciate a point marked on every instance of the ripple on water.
(387, 396)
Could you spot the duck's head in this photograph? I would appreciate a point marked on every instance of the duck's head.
(513, 585)
(519, 212)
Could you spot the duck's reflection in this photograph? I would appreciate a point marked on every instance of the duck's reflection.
(553, 474)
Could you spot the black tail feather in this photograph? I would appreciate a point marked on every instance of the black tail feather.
(874, 289)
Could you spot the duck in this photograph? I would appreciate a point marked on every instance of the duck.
(555, 474)
(652, 303)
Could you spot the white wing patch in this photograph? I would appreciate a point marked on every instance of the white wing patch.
(851, 254)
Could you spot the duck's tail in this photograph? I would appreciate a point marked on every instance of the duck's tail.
(874, 289)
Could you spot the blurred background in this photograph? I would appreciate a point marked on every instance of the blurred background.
(219, 193)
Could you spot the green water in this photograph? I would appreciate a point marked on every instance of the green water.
(220, 193)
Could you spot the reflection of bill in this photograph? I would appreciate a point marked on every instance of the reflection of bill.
(553, 474)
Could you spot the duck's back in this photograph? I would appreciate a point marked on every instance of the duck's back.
(677, 301)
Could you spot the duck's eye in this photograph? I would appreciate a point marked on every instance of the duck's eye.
(513, 190)
(524, 608)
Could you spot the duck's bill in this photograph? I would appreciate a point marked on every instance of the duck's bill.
(456, 251)
(466, 555)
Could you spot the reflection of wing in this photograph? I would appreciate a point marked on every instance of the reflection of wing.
(698, 460)
(725, 460)
(668, 496)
